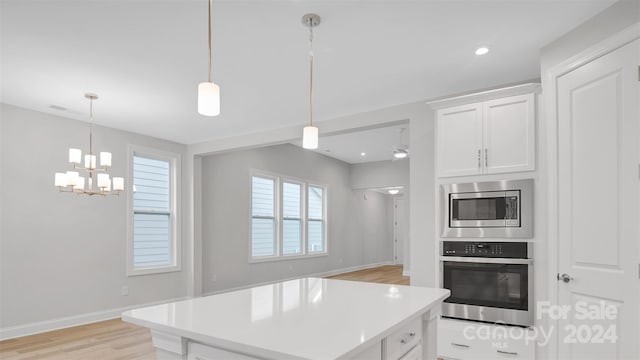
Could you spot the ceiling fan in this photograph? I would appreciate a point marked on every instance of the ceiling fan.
(400, 151)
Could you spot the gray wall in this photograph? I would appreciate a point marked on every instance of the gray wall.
(614, 19)
(380, 174)
(423, 248)
(355, 235)
(62, 254)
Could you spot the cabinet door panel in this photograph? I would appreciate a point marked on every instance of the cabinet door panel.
(509, 134)
(459, 140)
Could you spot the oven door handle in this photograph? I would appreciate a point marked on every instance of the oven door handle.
(486, 260)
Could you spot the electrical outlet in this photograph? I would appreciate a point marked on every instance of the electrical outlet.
(290, 267)
(340, 260)
(214, 277)
(125, 291)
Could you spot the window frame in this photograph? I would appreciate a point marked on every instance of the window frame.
(278, 201)
(324, 217)
(175, 198)
(276, 214)
(280, 207)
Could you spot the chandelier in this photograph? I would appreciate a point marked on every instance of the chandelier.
(72, 182)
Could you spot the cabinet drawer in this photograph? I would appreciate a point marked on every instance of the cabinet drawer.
(400, 342)
(452, 344)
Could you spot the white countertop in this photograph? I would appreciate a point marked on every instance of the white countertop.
(309, 318)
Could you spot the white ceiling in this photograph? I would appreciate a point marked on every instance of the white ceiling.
(377, 144)
(145, 58)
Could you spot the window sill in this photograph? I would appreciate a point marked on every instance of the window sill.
(287, 257)
(153, 270)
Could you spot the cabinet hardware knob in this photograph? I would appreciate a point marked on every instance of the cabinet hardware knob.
(406, 340)
(479, 158)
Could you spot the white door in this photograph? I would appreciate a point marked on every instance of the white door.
(460, 140)
(509, 134)
(401, 229)
(598, 140)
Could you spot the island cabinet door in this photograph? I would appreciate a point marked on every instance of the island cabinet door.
(203, 352)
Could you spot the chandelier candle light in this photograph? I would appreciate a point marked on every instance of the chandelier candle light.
(310, 133)
(72, 182)
(208, 92)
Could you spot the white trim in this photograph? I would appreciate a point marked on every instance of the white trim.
(302, 214)
(551, 76)
(71, 321)
(276, 214)
(485, 96)
(322, 274)
(279, 180)
(176, 209)
(325, 220)
(406, 272)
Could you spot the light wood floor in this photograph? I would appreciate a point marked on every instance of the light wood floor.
(118, 340)
(390, 274)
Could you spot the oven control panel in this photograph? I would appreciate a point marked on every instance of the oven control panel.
(512, 250)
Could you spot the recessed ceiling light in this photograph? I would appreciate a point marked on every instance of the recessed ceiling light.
(363, 153)
(394, 191)
(482, 50)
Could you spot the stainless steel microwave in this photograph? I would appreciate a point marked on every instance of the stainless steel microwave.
(494, 209)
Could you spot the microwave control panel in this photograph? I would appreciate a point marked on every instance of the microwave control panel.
(515, 250)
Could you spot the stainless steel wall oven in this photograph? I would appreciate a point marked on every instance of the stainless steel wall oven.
(489, 281)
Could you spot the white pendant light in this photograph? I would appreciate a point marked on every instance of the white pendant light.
(310, 133)
(310, 137)
(209, 92)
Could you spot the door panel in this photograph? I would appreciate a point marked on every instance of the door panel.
(509, 134)
(460, 140)
(598, 139)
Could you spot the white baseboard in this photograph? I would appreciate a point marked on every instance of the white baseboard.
(69, 321)
(322, 274)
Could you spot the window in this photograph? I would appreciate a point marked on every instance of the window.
(263, 219)
(153, 234)
(315, 222)
(287, 218)
(291, 218)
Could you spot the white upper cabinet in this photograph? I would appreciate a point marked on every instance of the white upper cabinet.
(460, 140)
(509, 134)
(487, 137)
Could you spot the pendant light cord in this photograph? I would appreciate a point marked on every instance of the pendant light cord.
(91, 127)
(310, 72)
(210, 1)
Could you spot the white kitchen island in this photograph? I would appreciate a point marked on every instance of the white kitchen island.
(309, 318)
